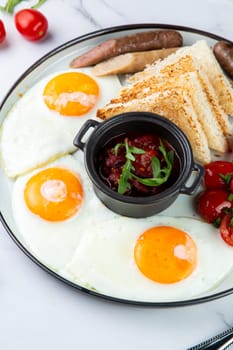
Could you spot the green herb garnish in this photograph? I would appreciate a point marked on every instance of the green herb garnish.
(126, 174)
(160, 175)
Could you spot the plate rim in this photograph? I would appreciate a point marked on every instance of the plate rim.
(70, 43)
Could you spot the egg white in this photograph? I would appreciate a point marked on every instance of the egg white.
(104, 260)
(32, 134)
(54, 243)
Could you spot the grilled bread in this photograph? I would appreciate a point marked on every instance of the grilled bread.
(203, 58)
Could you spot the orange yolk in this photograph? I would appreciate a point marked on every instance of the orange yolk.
(71, 94)
(55, 194)
(165, 254)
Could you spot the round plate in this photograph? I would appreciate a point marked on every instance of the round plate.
(60, 59)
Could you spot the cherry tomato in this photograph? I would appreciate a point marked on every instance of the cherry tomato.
(211, 204)
(226, 230)
(2, 31)
(212, 171)
(31, 23)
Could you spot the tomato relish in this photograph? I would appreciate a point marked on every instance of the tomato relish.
(138, 164)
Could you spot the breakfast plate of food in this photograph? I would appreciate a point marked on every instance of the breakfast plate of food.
(116, 164)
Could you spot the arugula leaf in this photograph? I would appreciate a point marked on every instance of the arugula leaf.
(135, 150)
(230, 197)
(126, 174)
(116, 148)
(160, 175)
(163, 174)
(170, 157)
(130, 156)
(155, 164)
(152, 182)
(124, 184)
(129, 149)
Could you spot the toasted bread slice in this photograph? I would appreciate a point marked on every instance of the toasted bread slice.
(191, 84)
(173, 104)
(176, 65)
(206, 112)
(204, 60)
(210, 65)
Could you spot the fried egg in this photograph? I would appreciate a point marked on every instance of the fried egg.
(52, 206)
(154, 259)
(42, 124)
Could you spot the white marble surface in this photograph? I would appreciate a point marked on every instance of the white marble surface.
(36, 310)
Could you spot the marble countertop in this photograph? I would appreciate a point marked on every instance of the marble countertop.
(36, 310)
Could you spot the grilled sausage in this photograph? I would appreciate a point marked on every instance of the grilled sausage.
(142, 41)
(224, 54)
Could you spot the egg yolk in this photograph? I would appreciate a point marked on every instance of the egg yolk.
(55, 194)
(165, 254)
(71, 94)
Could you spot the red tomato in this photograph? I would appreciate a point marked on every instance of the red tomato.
(31, 23)
(212, 171)
(226, 230)
(2, 31)
(211, 204)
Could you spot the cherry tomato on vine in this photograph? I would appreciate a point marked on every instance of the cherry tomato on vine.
(31, 23)
(226, 229)
(212, 177)
(211, 204)
(2, 32)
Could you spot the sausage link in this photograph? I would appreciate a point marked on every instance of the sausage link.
(142, 41)
(224, 54)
